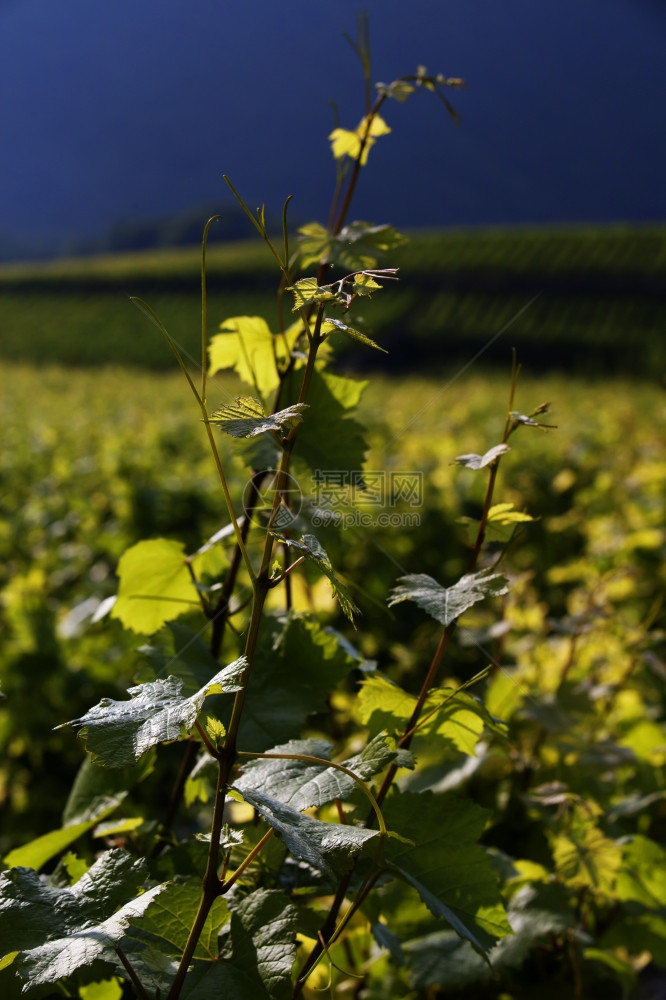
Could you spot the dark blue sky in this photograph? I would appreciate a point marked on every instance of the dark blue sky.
(135, 108)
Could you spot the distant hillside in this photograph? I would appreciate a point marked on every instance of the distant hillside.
(584, 300)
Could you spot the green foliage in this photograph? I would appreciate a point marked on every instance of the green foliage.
(245, 418)
(469, 799)
(58, 930)
(118, 733)
(446, 604)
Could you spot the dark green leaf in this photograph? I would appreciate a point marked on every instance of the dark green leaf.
(445, 604)
(178, 651)
(445, 864)
(328, 847)
(257, 954)
(58, 930)
(329, 439)
(296, 666)
(300, 784)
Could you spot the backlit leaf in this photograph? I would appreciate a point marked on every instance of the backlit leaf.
(642, 874)
(155, 585)
(346, 143)
(455, 727)
(587, 858)
(331, 325)
(246, 344)
(245, 417)
(42, 849)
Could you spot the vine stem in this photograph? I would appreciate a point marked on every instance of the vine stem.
(136, 982)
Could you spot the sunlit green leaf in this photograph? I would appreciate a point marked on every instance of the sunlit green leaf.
(587, 858)
(473, 461)
(58, 930)
(358, 246)
(245, 417)
(451, 720)
(155, 585)
(120, 732)
(42, 849)
(642, 874)
(247, 345)
(359, 142)
(445, 604)
(331, 325)
(503, 513)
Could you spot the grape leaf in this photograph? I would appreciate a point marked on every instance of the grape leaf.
(328, 847)
(256, 956)
(316, 553)
(179, 651)
(445, 604)
(457, 726)
(296, 665)
(473, 461)
(356, 247)
(58, 930)
(329, 439)
(120, 732)
(245, 417)
(503, 513)
(246, 344)
(586, 857)
(97, 791)
(442, 860)
(155, 585)
(443, 959)
(300, 784)
(167, 924)
(42, 849)
(347, 143)
(330, 325)
(642, 876)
